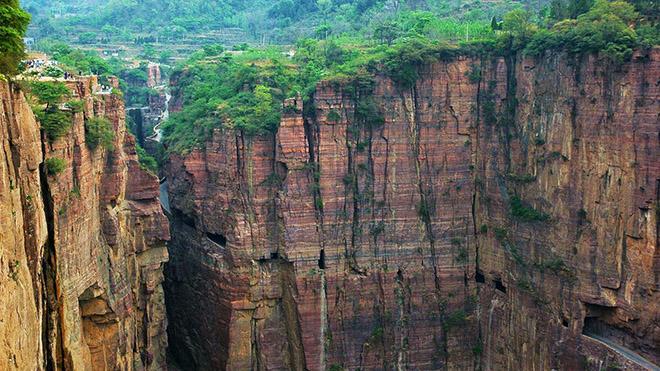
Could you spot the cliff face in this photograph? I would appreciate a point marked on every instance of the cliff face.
(87, 271)
(498, 210)
(23, 235)
(583, 147)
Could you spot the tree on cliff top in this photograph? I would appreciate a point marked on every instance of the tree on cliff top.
(13, 24)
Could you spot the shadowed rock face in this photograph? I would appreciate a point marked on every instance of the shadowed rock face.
(86, 272)
(476, 225)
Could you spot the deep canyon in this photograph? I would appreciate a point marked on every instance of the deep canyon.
(505, 219)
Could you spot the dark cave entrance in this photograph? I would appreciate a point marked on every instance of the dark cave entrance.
(595, 320)
(322, 259)
(218, 239)
(499, 285)
(479, 277)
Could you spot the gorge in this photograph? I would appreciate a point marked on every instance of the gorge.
(404, 201)
(505, 221)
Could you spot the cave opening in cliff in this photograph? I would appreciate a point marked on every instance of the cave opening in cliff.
(595, 320)
(479, 277)
(322, 259)
(218, 239)
(499, 285)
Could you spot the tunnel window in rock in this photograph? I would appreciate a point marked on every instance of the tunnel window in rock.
(218, 239)
(322, 259)
(595, 320)
(480, 277)
(499, 286)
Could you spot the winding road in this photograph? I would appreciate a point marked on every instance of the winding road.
(625, 352)
(164, 196)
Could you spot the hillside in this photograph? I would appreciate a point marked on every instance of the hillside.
(240, 21)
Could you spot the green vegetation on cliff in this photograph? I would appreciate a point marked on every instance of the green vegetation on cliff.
(45, 98)
(55, 165)
(605, 27)
(99, 131)
(245, 89)
(245, 92)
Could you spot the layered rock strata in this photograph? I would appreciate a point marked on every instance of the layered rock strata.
(87, 270)
(500, 213)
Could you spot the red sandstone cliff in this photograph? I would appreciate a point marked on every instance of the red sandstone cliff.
(336, 243)
(82, 283)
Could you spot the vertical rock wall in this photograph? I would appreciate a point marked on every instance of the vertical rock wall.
(94, 275)
(23, 235)
(482, 218)
(581, 146)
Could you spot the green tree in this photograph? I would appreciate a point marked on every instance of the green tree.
(604, 10)
(563, 9)
(87, 38)
(13, 24)
(518, 29)
(49, 93)
(387, 32)
(324, 7)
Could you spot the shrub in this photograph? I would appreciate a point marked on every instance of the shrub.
(500, 233)
(406, 56)
(555, 264)
(14, 268)
(368, 112)
(423, 210)
(146, 160)
(99, 131)
(54, 122)
(455, 319)
(526, 213)
(75, 105)
(333, 116)
(55, 165)
(377, 334)
(51, 71)
(461, 256)
(117, 92)
(474, 74)
(376, 229)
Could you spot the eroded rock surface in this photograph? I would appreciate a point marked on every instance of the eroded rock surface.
(84, 278)
(500, 208)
